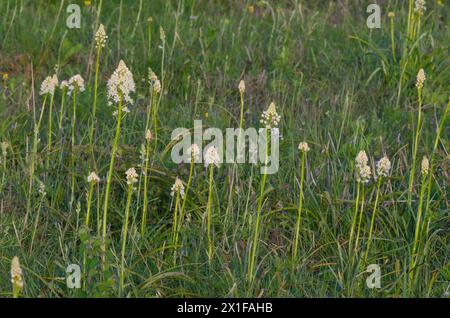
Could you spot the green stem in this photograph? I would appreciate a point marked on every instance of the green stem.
(361, 212)
(124, 237)
(110, 172)
(145, 199)
(49, 139)
(94, 105)
(72, 159)
(373, 218)
(393, 40)
(183, 205)
(415, 146)
(300, 205)
(258, 215)
(209, 213)
(355, 216)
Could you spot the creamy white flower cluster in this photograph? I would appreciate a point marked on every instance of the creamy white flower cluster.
(76, 83)
(93, 177)
(212, 157)
(120, 85)
(48, 85)
(362, 168)
(132, 176)
(383, 167)
(177, 187)
(270, 117)
(420, 80)
(100, 37)
(419, 7)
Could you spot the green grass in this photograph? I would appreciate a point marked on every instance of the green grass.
(335, 84)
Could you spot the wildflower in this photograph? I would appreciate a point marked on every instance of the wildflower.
(48, 85)
(362, 169)
(148, 135)
(121, 84)
(93, 177)
(100, 37)
(76, 82)
(420, 78)
(162, 34)
(270, 117)
(425, 166)
(4, 145)
(383, 167)
(419, 7)
(361, 159)
(212, 157)
(303, 146)
(241, 87)
(194, 153)
(152, 76)
(42, 189)
(177, 186)
(391, 15)
(16, 274)
(157, 86)
(131, 176)
(5, 76)
(64, 85)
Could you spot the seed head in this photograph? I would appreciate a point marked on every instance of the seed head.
(420, 78)
(16, 273)
(419, 7)
(383, 167)
(121, 84)
(425, 166)
(303, 146)
(132, 176)
(100, 37)
(241, 87)
(48, 85)
(270, 117)
(76, 82)
(194, 153)
(148, 135)
(212, 157)
(93, 177)
(391, 15)
(177, 187)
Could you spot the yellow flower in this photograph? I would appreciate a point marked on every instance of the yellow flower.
(5, 76)
(391, 15)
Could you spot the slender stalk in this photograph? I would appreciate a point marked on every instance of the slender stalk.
(110, 172)
(72, 158)
(61, 112)
(415, 146)
(145, 199)
(33, 160)
(94, 105)
(88, 213)
(373, 218)
(250, 276)
(355, 216)
(300, 205)
(175, 220)
(49, 138)
(361, 212)
(209, 213)
(124, 237)
(417, 232)
(392, 40)
(183, 204)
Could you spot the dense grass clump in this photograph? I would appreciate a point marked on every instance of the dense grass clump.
(87, 178)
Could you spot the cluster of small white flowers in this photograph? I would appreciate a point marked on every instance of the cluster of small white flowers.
(76, 83)
(16, 273)
(4, 145)
(64, 85)
(177, 187)
(48, 85)
(142, 152)
(241, 87)
(383, 167)
(154, 81)
(362, 167)
(303, 146)
(100, 37)
(121, 84)
(42, 189)
(93, 177)
(148, 135)
(420, 78)
(132, 176)
(212, 157)
(419, 7)
(125, 109)
(194, 153)
(425, 166)
(270, 117)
